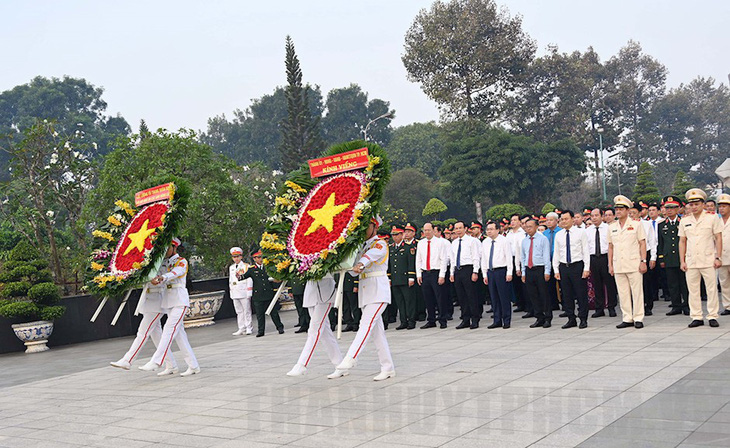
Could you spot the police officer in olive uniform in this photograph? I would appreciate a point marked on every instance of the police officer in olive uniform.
(668, 256)
(402, 273)
(297, 291)
(263, 292)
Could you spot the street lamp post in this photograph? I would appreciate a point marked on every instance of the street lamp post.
(389, 115)
(603, 166)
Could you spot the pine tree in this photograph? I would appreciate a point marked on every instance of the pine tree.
(144, 131)
(646, 189)
(301, 134)
(681, 184)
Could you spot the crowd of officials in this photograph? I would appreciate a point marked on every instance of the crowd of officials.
(622, 256)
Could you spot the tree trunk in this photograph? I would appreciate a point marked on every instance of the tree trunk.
(478, 206)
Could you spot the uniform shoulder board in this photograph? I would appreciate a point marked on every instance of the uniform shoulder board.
(378, 245)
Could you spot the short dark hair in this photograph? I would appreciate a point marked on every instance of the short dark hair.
(462, 223)
(513, 215)
(608, 209)
(710, 200)
(568, 212)
(599, 210)
(438, 227)
(492, 223)
(525, 217)
(655, 205)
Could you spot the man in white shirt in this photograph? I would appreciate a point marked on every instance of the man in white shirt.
(431, 261)
(656, 277)
(724, 271)
(515, 236)
(465, 254)
(496, 264)
(651, 254)
(572, 264)
(604, 284)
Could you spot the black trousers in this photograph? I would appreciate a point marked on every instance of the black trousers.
(302, 312)
(466, 290)
(574, 286)
(677, 286)
(351, 312)
(447, 289)
(260, 309)
(553, 292)
(517, 287)
(602, 279)
(433, 295)
(537, 290)
(648, 280)
(405, 299)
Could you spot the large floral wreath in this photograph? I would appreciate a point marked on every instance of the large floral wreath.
(130, 244)
(317, 223)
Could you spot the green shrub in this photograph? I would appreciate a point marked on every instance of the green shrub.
(20, 310)
(16, 289)
(12, 264)
(23, 251)
(44, 293)
(39, 264)
(504, 211)
(24, 271)
(43, 276)
(5, 277)
(52, 312)
(547, 208)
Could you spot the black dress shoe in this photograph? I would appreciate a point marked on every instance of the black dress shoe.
(519, 309)
(355, 328)
(612, 312)
(411, 326)
(385, 326)
(506, 326)
(281, 330)
(638, 324)
(713, 323)
(625, 325)
(428, 325)
(298, 325)
(528, 315)
(674, 312)
(696, 323)
(725, 313)
(463, 324)
(493, 326)
(401, 327)
(443, 325)
(258, 335)
(302, 330)
(537, 324)
(450, 318)
(547, 324)
(348, 328)
(563, 314)
(570, 324)
(583, 324)
(474, 326)
(648, 313)
(685, 312)
(598, 313)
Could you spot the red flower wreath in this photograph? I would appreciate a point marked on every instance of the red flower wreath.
(137, 240)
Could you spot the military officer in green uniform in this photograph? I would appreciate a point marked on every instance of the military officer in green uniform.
(409, 237)
(263, 292)
(668, 256)
(402, 273)
(297, 292)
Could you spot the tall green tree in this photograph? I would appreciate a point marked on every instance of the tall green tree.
(483, 163)
(72, 103)
(408, 190)
(418, 146)
(227, 205)
(348, 113)
(254, 134)
(681, 184)
(467, 55)
(646, 189)
(301, 134)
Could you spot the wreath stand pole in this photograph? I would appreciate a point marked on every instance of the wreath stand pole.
(276, 298)
(98, 309)
(338, 301)
(121, 307)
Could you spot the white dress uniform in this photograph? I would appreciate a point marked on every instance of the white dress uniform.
(724, 272)
(319, 296)
(175, 301)
(373, 297)
(241, 291)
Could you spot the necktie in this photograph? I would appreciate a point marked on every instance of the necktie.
(428, 256)
(458, 256)
(653, 224)
(529, 256)
(598, 242)
(567, 245)
(491, 257)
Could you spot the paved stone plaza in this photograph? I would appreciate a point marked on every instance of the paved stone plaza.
(662, 386)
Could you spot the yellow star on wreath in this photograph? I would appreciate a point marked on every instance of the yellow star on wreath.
(138, 238)
(324, 217)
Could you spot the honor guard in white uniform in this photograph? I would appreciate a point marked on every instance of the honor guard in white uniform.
(170, 281)
(723, 203)
(241, 291)
(373, 297)
(700, 253)
(319, 296)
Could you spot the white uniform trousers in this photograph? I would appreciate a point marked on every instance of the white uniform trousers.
(371, 325)
(174, 329)
(695, 301)
(630, 288)
(320, 331)
(724, 274)
(149, 328)
(243, 313)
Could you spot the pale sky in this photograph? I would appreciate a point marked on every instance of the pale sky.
(177, 63)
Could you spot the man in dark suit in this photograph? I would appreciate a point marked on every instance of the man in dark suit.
(263, 292)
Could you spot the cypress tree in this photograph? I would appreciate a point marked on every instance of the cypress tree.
(301, 135)
(681, 184)
(646, 189)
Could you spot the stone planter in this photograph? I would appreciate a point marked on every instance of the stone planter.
(34, 334)
(203, 307)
